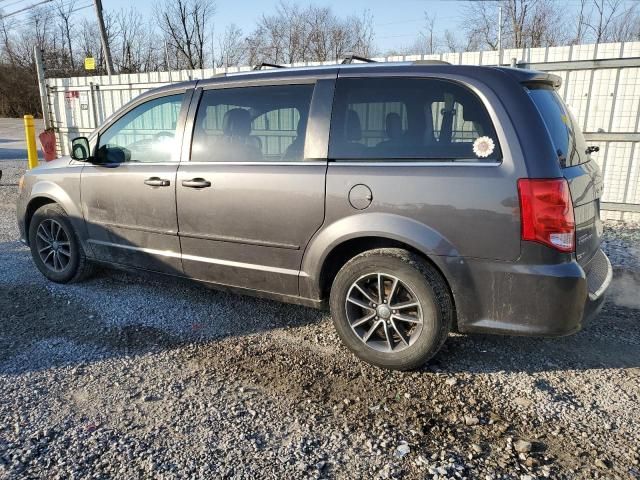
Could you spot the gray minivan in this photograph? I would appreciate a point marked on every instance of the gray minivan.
(414, 199)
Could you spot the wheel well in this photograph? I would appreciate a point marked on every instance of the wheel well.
(34, 205)
(349, 249)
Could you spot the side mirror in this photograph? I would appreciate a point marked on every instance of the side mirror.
(80, 149)
(114, 155)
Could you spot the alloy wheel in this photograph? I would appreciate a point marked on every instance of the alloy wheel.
(52, 242)
(384, 312)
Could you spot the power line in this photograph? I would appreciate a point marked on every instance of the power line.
(24, 9)
(14, 2)
(46, 10)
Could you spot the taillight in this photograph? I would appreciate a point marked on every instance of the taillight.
(546, 212)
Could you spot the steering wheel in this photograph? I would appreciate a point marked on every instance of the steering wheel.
(160, 135)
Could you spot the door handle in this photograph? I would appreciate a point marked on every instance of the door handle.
(196, 183)
(157, 182)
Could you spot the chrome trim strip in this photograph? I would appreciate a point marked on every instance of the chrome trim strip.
(346, 163)
(249, 266)
(152, 251)
(246, 241)
(607, 281)
(136, 227)
(279, 163)
(196, 258)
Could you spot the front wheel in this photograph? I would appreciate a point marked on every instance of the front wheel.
(55, 248)
(391, 308)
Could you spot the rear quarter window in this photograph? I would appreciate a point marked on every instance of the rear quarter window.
(410, 118)
(567, 138)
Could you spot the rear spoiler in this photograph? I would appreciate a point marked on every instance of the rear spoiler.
(533, 77)
(545, 78)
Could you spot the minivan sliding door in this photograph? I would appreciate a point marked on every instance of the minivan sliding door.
(252, 194)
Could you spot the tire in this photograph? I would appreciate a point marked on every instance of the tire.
(50, 226)
(400, 341)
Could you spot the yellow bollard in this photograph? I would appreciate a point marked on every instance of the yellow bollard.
(30, 136)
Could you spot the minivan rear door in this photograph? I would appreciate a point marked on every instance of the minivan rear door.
(580, 170)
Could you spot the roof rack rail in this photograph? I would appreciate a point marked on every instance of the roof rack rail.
(430, 62)
(350, 57)
(267, 64)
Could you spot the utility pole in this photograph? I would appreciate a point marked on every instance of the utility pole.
(103, 36)
(499, 35)
(166, 60)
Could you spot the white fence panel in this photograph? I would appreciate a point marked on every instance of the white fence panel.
(601, 85)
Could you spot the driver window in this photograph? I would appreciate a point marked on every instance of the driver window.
(144, 134)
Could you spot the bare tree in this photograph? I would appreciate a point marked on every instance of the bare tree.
(89, 43)
(363, 33)
(526, 23)
(606, 21)
(479, 24)
(186, 24)
(231, 47)
(429, 34)
(581, 23)
(320, 20)
(315, 33)
(606, 13)
(64, 12)
(455, 43)
(135, 42)
(626, 27)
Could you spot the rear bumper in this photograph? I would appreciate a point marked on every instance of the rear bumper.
(529, 299)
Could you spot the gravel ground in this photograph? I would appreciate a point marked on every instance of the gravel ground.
(129, 376)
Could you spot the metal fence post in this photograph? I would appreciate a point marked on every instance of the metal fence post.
(37, 55)
(92, 104)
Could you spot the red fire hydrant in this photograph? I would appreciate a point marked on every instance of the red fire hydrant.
(48, 142)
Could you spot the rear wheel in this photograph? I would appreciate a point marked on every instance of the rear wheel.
(55, 248)
(391, 308)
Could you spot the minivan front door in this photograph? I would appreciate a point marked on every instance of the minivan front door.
(128, 191)
(250, 199)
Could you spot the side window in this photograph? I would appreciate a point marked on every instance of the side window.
(144, 134)
(566, 135)
(250, 124)
(410, 118)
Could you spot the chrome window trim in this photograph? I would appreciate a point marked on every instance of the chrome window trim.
(499, 117)
(302, 162)
(113, 165)
(457, 163)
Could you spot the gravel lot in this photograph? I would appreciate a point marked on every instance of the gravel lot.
(129, 376)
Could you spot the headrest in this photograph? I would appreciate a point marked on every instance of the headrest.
(302, 126)
(352, 128)
(393, 125)
(472, 110)
(237, 123)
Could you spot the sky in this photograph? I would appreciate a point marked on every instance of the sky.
(397, 23)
